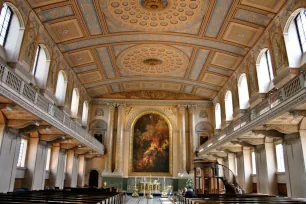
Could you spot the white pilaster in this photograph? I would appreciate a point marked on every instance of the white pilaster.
(9, 149)
(266, 169)
(57, 176)
(231, 166)
(81, 170)
(71, 169)
(245, 169)
(295, 166)
(36, 163)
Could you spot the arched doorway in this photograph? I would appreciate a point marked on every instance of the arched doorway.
(93, 178)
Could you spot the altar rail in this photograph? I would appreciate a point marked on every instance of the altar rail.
(14, 88)
(277, 102)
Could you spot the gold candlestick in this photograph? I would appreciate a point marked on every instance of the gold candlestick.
(150, 196)
(164, 193)
(135, 192)
(144, 189)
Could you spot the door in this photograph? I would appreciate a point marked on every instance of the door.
(93, 178)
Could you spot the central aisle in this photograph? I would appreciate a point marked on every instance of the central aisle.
(131, 200)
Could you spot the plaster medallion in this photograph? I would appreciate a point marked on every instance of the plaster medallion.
(152, 59)
(154, 14)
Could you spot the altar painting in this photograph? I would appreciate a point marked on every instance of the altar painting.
(151, 145)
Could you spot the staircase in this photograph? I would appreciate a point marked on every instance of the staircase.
(230, 182)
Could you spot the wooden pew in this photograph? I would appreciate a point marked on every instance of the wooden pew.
(237, 199)
(70, 196)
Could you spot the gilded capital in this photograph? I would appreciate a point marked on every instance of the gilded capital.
(111, 106)
(121, 107)
(192, 108)
(181, 108)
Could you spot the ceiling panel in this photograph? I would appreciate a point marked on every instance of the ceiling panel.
(188, 47)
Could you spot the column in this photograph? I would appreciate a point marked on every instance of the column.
(231, 166)
(9, 149)
(194, 140)
(182, 145)
(295, 165)
(71, 169)
(36, 163)
(266, 168)
(120, 134)
(110, 131)
(57, 171)
(81, 171)
(245, 170)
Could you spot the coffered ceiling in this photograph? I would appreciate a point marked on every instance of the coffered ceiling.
(188, 47)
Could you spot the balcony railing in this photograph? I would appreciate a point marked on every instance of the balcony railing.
(14, 88)
(275, 100)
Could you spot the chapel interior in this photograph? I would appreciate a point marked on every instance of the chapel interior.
(133, 101)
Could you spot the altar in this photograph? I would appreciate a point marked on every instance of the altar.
(150, 186)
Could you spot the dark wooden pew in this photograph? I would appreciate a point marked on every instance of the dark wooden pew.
(67, 196)
(243, 199)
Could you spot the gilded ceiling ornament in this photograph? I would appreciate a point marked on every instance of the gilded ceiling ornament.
(152, 59)
(154, 14)
(154, 4)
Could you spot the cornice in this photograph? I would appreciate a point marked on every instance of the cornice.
(150, 102)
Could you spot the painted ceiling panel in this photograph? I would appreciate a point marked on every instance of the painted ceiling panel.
(190, 47)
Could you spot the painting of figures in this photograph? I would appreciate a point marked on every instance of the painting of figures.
(151, 144)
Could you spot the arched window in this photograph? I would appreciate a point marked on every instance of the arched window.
(11, 31)
(85, 113)
(264, 71)
(243, 92)
(229, 106)
(218, 116)
(75, 103)
(61, 87)
(295, 38)
(41, 65)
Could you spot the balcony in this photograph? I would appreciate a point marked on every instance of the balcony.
(15, 89)
(276, 103)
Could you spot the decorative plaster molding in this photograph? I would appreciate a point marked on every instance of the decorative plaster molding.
(151, 102)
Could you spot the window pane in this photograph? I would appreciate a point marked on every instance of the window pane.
(22, 153)
(36, 60)
(280, 158)
(5, 18)
(269, 65)
(253, 163)
(48, 159)
(301, 28)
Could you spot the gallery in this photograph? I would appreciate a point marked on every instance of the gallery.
(152, 101)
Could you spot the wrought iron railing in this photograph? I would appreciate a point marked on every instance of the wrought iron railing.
(273, 100)
(51, 113)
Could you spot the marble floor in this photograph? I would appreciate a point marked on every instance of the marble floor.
(140, 200)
